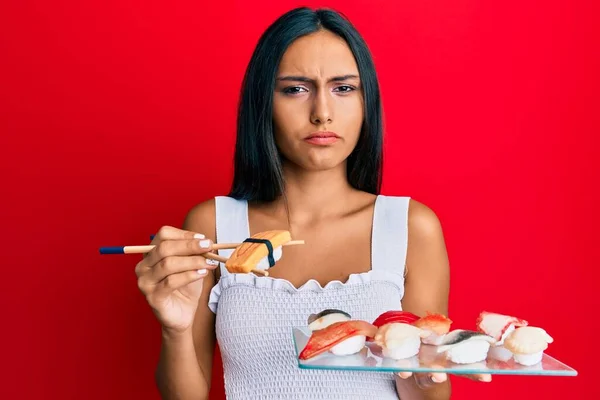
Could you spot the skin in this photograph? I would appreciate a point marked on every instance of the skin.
(318, 89)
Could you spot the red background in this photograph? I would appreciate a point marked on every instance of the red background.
(118, 116)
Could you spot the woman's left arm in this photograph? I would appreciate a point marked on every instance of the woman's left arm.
(427, 288)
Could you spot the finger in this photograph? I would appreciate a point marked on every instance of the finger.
(176, 264)
(405, 374)
(426, 380)
(170, 248)
(423, 380)
(172, 233)
(177, 281)
(439, 377)
(478, 377)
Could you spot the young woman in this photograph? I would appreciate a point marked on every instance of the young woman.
(308, 159)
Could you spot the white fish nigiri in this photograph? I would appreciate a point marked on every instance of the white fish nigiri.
(466, 347)
(399, 340)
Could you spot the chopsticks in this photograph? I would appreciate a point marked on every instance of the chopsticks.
(216, 246)
(148, 248)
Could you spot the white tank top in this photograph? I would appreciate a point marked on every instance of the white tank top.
(255, 315)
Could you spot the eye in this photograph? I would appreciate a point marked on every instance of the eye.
(344, 89)
(294, 90)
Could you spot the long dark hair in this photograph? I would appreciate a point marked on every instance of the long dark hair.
(258, 174)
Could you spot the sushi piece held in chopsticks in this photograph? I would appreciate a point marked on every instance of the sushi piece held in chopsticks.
(498, 326)
(399, 340)
(259, 252)
(465, 347)
(528, 343)
(340, 338)
(391, 316)
(325, 318)
(436, 324)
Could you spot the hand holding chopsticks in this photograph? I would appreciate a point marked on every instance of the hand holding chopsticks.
(171, 274)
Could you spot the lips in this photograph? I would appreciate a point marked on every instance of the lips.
(322, 135)
(321, 138)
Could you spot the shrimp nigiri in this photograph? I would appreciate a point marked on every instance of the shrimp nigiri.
(437, 324)
(341, 338)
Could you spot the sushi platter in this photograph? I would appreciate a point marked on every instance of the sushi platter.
(401, 341)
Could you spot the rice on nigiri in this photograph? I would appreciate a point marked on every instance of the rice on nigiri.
(399, 340)
(325, 318)
(263, 264)
(500, 353)
(527, 344)
(465, 347)
(498, 326)
(340, 338)
(437, 324)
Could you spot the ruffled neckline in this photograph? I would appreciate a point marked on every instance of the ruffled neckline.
(285, 285)
(312, 285)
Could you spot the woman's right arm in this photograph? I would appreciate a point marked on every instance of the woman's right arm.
(178, 295)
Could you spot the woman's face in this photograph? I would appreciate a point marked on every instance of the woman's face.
(318, 102)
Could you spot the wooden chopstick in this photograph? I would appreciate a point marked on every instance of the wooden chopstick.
(220, 246)
(216, 246)
(148, 248)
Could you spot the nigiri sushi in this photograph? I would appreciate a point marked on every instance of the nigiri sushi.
(264, 263)
(465, 347)
(527, 344)
(340, 338)
(500, 353)
(395, 316)
(498, 326)
(325, 318)
(437, 324)
(259, 252)
(399, 340)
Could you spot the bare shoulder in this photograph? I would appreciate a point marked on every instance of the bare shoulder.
(426, 254)
(201, 219)
(427, 266)
(423, 222)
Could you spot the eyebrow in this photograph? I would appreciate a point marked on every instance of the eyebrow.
(305, 79)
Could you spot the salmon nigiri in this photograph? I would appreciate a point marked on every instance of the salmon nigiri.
(341, 338)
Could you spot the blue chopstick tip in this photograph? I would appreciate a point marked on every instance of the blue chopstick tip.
(112, 250)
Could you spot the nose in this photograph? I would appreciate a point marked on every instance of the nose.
(321, 112)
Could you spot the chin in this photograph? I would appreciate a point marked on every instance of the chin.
(321, 164)
(321, 167)
(317, 160)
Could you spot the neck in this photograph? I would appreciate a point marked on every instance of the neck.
(315, 194)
